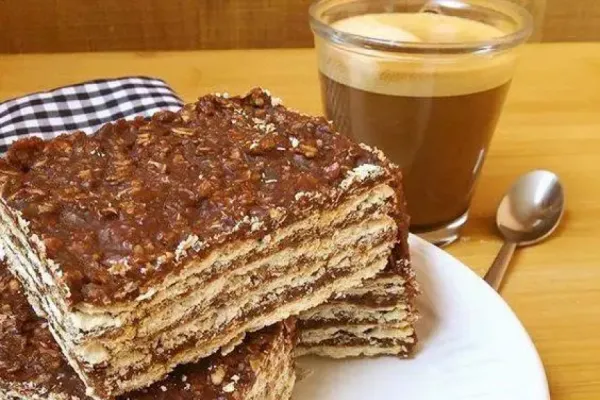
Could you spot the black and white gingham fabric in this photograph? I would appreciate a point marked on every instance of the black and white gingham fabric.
(84, 106)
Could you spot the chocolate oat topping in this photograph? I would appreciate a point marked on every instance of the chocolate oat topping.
(29, 356)
(31, 362)
(120, 209)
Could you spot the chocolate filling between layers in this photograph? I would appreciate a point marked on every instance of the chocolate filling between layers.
(373, 300)
(267, 307)
(349, 341)
(318, 323)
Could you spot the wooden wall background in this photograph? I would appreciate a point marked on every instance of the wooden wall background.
(28, 26)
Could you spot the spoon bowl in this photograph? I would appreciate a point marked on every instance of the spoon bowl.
(532, 208)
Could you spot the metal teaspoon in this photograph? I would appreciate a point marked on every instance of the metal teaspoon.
(529, 212)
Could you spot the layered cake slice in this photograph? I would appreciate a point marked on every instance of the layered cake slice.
(374, 318)
(154, 243)
(33, 367)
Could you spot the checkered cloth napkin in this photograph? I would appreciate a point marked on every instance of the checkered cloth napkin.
(85, 106)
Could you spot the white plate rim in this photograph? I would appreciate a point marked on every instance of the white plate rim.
(526, 367)
(418, 244)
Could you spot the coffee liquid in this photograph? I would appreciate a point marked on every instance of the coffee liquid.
(432, 115)
(439, 141)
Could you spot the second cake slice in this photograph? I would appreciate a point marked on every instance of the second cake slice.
(378, 317)
(154, 243)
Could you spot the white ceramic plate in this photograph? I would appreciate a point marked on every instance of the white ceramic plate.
(472, 347)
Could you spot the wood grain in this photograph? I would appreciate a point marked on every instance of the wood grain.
(571, 20)
(34, 26)
(552, 120)
(75, 25)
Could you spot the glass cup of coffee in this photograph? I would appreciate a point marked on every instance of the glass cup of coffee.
(424, 82)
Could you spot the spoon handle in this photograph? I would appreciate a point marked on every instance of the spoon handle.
(495, 274)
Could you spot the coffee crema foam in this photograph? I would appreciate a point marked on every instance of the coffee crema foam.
(415, 75)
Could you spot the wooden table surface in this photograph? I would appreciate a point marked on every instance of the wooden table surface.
(551, 120)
